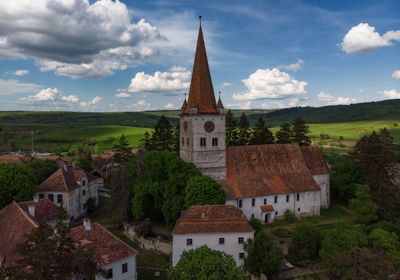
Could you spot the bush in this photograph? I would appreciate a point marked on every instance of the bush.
(256, 225)
(289, 216)
(282, 233)
(305, 244)
(146, 229)
(91, 205)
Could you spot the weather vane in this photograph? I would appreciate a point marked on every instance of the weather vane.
(200, 20)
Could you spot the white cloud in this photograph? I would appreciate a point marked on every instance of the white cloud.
(170, 106)
(11, 87)
(243, 106)
(175, 81)
(270, 83)
(361, 90)
(396, 74)
(294, 66)
(79, 39)
(293, 102)
(91, 104)
(141, 105)
(48, 94)
(123, 95)
(331, 100)
(272, 105)
(70, 98)
(21, 72)
(224, 85)
(391, 94)
(363, 37)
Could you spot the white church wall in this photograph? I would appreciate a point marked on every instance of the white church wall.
(323, 182)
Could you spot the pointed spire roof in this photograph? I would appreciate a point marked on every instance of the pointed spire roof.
(184, 106)
(201, 94)
(219, 103)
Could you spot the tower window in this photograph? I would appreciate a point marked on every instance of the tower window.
(253, 202)
(287, 198)
(215, 142)
(298, 197)
(203, 142)
(276, 199)
(265, 201)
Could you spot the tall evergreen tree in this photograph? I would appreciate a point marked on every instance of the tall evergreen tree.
(122, 151)
(244, 130)
(162, 138)
(231, 129)
(261, 134)
(146, 142)
(300, 131)
(285, 134)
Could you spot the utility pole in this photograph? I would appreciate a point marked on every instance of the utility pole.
(33, 152)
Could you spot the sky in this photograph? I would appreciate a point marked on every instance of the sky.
(115, 56)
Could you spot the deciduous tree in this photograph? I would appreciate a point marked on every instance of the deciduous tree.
(261, 134)
(244, 131)
(231, 129)
(305, 243)
(203, 190)
(363, 206)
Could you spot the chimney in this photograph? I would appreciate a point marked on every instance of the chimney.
(36, 198)
(86, 224)
(31, 210)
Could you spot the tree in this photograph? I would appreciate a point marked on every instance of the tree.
(231, 129)
(344, 179)
(262, 256)
(244, 131)
(256, 225)
(285, 134)
(385, 240)
(42, 169)
(306, 243)
(145, 142)
(162, 138)
(16, 183)
(122, 151)
(120, 197)
(84, 158)
(300, 131)
(203, 190)
(261, 134)
(363, 206)
(205, 264)
(4, 134)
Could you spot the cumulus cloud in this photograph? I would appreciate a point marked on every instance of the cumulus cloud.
(21, 72)
(272, 105)
(170, 106)
(331, 100)
(75, 38)
(396, 74)
(294, 66)
(293, 102)
(177, 80)
(48, 94)
(363, 37)
(91, 104)
(123, 95)
(243, 106)
(141, 105)
(391, 94)
(270, 83)
(224, 85)
(11, 87)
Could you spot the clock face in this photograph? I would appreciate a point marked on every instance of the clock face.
(185, 126)
(209, 126)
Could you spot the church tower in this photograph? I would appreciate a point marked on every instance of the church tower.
(202, 120)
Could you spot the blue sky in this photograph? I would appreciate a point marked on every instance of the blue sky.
(107, 55)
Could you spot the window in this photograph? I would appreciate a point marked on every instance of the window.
(276, 213)
(83, 192)
(276, 199)
(59, 198)
(83, 183)
(124, 267)
(240, 240)
(265, 201)
(221, 241)
(240, 203)
(203, 142)
(109, 273)
(51, 196)
(298, 209)
(189, 242)
(252, 215)
(298, 197)
(183, 141)
(187, 141)
(41, 196)
(287, 198)
(84, 206)
(253, 202)
(241, 255)
(215, 142)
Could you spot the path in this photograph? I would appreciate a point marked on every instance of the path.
(297, 272)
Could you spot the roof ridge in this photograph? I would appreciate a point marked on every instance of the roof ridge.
(136, 252)
(63, 177)
(30, 219)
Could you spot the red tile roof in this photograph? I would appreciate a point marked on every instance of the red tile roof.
(315, 160)
(212, 219)
(201, 94)
(219, 104)
(14, 159)
(108, 248)
(45, 210)
(267, 208)
(262, 170)
(14, 224)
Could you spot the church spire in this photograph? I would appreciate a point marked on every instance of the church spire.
(201, 95)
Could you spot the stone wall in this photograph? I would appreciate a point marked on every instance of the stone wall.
(156, 244)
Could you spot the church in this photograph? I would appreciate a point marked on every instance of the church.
(263, 181)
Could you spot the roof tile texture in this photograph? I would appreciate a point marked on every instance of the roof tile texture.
(45, 210)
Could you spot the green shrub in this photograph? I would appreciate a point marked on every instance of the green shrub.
(289, 216)
(256, 224)
(282, 233)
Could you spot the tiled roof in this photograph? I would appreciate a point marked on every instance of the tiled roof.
(55, 157)
(201, 94)
(267, 208)
(262, 170)
(219, 104)
(14, 224)
(45, 210)
(14, 159)
(184, 105)
(62, 180)
(212, 219)
(108, 248)
(315, 160)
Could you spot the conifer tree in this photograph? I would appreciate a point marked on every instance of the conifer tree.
(261, 134)
(122, 152)
(145, 142)
(231, 129)
(300, 131)
(244, 131)
(162, 137)
(284, 135)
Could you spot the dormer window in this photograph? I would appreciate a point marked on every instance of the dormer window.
(193, 110)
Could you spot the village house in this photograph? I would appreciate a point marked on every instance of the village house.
(110, 253)
(71, 187)
(18, 219)
(221, 227)
(263, 181)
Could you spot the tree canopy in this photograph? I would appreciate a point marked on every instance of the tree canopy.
(122, 151)
(305, 243)
(261, 134)
(285, 134)
(363, 206)
(231, 131)
(42, 169)
(300, 131)
(203, 190)
(244, 131)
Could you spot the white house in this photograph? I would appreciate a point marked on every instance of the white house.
(110, 253)
(220, 227)
(70, 187)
